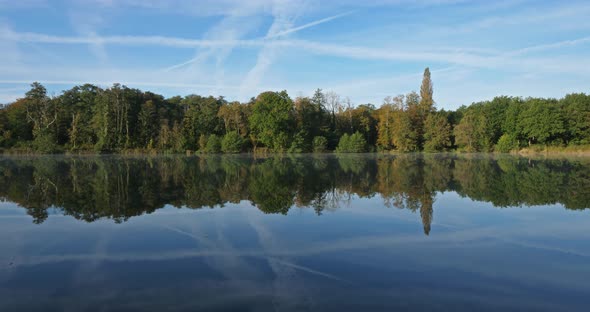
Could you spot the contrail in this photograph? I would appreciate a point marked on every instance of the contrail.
(195, 59)
(314, 23)
(279, 34)
(554, 45)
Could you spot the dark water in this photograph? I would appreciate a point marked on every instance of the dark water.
(324, 233)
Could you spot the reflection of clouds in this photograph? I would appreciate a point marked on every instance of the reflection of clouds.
(239, 255)
(289, 290)
(309, 270)
(545, 247)
(85, 271)
(223, 258)
(459, 223)
(280, 250)
(456, 245)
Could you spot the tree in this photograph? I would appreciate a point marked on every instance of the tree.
(148, 122)
(17, 128)
(300, 143)
(333, 105)
(472, 132)
(364, 121)
(74, 131)
(406, 138)
(235, 117)
(348, 110)
(576, 109)
(506, 143)
(309, 119)
(404, 124)
(358, 144)
(541, 121)
(320, 144)
(437, 133)
(201, 118)
(343, 144)
(191, 137)
(319, 100)
(495, 112)
(213, 144)
(178, 142)
(232, 143)
(354, 143)
(119, 118)
(115, 117)
(272, 119)
(165, 137)
(203, 143)
(42, 114)
(170, 139)
(426, 91)
(385, 121)
(511, 125)
(77, 107)
(4, 131)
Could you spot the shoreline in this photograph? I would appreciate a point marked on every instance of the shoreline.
(525, 152)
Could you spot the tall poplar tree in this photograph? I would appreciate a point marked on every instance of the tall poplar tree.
(426, 100)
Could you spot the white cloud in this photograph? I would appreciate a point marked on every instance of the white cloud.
(284, 14)
(123, 40)
(237, 20)
(87, 23)
(137, 83)
(9, 50)
(541, 16)
(209, 61)
(459, 56)
(232, 26)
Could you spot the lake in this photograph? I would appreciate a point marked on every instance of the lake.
(302, 233)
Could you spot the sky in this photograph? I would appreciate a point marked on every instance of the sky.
(364, 50)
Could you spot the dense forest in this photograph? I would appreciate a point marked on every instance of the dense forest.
(92, 188)
(119, 119)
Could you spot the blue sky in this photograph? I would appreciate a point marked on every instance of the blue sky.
(364, 50)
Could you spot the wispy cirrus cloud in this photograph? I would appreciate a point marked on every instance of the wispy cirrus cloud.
(164, 41)
(251, 84)
(456, 56)
(110, 82)
(284, 14)
(542, 16)
(201, 56)
(210, 60)
(86, 23)
(236, 48)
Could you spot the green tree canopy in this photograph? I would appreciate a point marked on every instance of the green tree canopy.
(272, 119)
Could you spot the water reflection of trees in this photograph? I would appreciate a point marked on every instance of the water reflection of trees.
(90, 188)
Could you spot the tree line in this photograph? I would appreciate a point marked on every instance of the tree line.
(92, 188)
(115, 119)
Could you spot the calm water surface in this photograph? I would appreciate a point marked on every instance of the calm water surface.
(309, 233)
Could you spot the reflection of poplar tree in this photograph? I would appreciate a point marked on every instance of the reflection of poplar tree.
(426, 212)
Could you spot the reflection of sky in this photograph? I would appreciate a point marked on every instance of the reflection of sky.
(503, 258)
